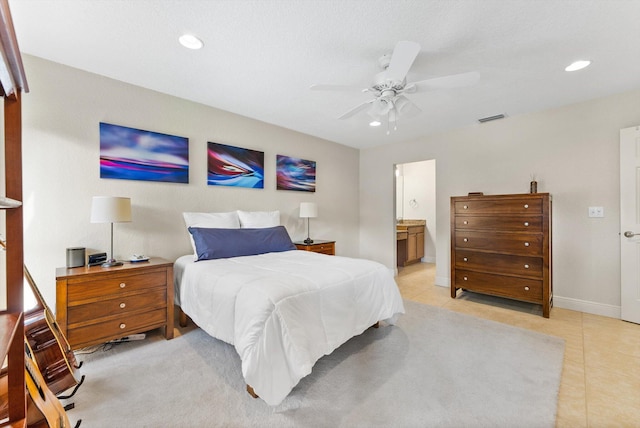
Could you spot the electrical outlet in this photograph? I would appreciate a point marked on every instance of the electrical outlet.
(596, 211)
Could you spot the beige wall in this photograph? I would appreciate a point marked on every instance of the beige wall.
(61, 171)
(574, 153)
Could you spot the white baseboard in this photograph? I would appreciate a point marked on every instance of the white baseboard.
(442, 281)
(428, 259)
(586, 306)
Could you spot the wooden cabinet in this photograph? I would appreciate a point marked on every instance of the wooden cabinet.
(409, 243)
(501, 245)
(322, 247)
(95, 304)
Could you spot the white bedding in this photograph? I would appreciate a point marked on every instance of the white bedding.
(283, 311)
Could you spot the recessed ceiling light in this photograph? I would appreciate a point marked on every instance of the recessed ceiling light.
(190, 41)
(578, 65)
(375, 123)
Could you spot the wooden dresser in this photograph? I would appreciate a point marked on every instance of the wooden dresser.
(501, 245)
(317, 246)
(95, 304)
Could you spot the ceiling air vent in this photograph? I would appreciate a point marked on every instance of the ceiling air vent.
(490, 118)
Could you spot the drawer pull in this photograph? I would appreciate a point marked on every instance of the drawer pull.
(526, 205)
(122, 285)
(465, 222)
(465, 207)
(526, 244)
(465, 259)
(465, 240)
(526, 266)
(526, 288)
(122, 305)
(465, 278)
(123, 326)
(526, 223)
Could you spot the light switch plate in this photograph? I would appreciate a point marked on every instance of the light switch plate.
(596, 211)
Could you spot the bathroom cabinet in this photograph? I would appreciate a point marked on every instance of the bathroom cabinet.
(410, 242)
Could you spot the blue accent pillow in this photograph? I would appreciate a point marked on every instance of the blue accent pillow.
(224, 243)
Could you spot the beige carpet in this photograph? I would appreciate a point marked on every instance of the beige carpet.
(435, 368)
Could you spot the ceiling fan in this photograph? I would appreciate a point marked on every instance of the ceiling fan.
(390, 86)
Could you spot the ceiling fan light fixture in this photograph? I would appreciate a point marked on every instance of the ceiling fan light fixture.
(190, 41)
(578, 65)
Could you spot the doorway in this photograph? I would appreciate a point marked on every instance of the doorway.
(415, 199)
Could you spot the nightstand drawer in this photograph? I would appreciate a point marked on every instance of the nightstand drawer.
(117, 327)
(322, 247)
(80, 291)
(150, 299)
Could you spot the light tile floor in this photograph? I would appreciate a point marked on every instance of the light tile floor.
(600, 384)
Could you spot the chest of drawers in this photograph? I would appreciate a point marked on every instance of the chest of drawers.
(501, 245)
(95, 304)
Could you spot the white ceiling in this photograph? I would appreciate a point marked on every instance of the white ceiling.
(261, 56)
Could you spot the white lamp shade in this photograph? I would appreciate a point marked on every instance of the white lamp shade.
(110, 209)
(308, 210)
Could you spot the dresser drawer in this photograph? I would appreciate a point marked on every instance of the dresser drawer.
(514, 243)
(117, 327)
(503, 222)
(529, 290)
(499, 206)
(499, 263)
(81, 291)
(150, 299)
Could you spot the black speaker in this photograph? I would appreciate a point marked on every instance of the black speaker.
(75, 257)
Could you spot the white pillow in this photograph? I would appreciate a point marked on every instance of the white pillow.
(259, 219)
(229, 220)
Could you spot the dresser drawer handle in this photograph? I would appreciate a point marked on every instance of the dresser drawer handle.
(465, 240)
(465, 207)
(526, 288)
(122, 285)
(526, 223)
(123, 326)
(465, 278)
(526, 205)
(465, 259)
(123, 305)
(526, 266)
(526, 244)
(465, 222)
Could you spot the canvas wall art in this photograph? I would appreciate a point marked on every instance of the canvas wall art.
(234, 166)
(135, 154)
(295, 174)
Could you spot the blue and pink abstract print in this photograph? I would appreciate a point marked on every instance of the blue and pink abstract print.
(134, 154)
(234, 166)
(295, 174)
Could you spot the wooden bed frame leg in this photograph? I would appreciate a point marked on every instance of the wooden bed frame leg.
(251, 391)
(182, 318)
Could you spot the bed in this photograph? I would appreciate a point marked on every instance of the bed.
(281, 308)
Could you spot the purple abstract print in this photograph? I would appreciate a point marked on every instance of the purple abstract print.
(295, 174)
(134, 154)
(234, 166)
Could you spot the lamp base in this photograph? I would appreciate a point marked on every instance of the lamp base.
(308, 241)
(111, 263)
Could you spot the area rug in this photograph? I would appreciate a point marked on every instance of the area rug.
(434, 368)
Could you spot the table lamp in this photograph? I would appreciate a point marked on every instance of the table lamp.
(308, 210)
(110, 209)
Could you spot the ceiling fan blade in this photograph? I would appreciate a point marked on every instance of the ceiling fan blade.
(356, 109)
(346, 88)
(402, 59)
(452, 81)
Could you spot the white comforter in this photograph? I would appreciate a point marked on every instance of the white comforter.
(283, 311)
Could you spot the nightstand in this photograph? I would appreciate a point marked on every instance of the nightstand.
(96, 304)
(317, 246)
